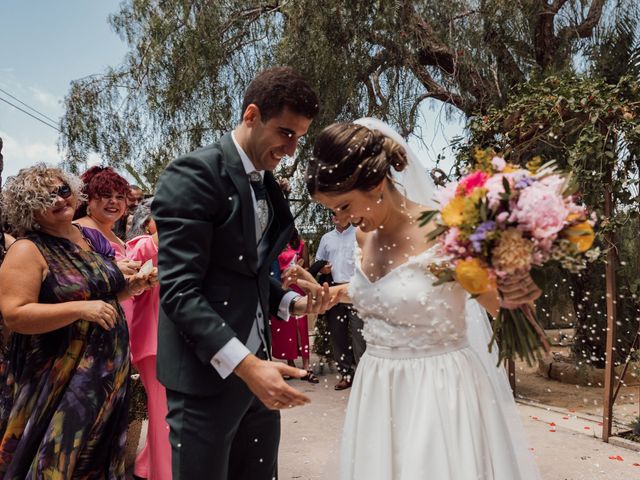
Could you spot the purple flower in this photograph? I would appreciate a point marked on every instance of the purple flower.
(523, 183)
(480, 234)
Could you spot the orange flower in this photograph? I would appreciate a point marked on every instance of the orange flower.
(453, 212)
(474, 277)
(581, 235)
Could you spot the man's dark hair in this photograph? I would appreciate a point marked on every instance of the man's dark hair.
(275, 88)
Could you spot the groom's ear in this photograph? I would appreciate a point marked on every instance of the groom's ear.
(251, 115)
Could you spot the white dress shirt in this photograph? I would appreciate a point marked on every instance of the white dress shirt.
(234, 351)
(338, 248)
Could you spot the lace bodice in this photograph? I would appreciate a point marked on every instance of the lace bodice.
(403, 308)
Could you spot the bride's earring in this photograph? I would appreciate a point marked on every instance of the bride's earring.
(380, 198)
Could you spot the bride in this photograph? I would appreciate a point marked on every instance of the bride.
(428, 401)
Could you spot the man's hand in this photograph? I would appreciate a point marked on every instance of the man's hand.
(265, 380)
(517, 289)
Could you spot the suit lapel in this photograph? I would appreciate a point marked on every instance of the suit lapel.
(241, 182)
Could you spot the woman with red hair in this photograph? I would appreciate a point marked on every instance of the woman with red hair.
(106, 203)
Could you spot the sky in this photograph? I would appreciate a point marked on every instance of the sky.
(45, 45)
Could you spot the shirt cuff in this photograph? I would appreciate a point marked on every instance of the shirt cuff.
(283, 309)
(229, 356)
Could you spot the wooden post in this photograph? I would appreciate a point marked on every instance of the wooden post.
(609, 371)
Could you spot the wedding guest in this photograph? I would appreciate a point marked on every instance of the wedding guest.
(134, 197)
(154, 461)
(6, 241)
(290, 339)
(337, 249)
(63, 405)
(106, 193)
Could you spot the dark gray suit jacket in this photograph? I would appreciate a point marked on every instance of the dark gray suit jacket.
(210, 276)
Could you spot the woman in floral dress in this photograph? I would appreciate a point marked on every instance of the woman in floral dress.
(63, 410)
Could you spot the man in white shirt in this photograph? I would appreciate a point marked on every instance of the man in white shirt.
(222, 220)
(337, 247)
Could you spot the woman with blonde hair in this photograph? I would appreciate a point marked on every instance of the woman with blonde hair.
(63, 412)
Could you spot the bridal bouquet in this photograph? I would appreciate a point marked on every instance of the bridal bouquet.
(501, 219)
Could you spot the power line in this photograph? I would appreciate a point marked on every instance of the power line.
(31, 115)
(28, 106)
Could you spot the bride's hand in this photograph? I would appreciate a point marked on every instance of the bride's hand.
(293, 274)
(517, 289)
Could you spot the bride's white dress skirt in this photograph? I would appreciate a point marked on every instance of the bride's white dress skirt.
(424, 404)
(424, 415)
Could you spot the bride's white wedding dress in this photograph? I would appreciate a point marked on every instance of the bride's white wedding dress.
(423, 404)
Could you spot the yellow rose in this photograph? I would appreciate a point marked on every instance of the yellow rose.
(473, 277)
(509, 168)
(581, 235)
(453, 212)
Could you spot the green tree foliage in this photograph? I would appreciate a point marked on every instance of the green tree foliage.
(189, 61)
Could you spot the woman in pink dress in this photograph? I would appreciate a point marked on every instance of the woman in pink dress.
(106, 202)
(290, 339)
(154, 461)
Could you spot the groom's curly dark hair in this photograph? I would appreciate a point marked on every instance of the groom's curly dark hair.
(275, 88)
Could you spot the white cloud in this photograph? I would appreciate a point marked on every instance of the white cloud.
(45, 98)
(19, 155)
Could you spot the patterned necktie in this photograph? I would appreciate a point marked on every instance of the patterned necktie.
(255, 179)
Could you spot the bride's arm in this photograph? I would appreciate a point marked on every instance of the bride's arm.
(490, 301)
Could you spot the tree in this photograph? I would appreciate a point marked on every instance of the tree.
(181, 82)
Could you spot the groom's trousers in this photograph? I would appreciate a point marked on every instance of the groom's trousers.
(229, 436)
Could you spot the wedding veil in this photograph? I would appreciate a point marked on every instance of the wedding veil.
(415, 183)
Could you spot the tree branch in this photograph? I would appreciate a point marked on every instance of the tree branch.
(585, 28)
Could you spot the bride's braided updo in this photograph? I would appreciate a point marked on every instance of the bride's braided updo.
(348, 156)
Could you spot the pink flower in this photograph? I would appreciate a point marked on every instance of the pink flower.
(451, 244)
(472, 181)
(498, 163)
(495, 189)
(541, 210)
(502, 217)
(495, 186)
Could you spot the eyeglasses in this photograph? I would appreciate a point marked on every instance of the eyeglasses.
(63, 191)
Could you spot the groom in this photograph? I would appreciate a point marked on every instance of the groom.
(222, 220)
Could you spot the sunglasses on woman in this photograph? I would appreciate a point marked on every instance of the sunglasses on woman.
(63, 191)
